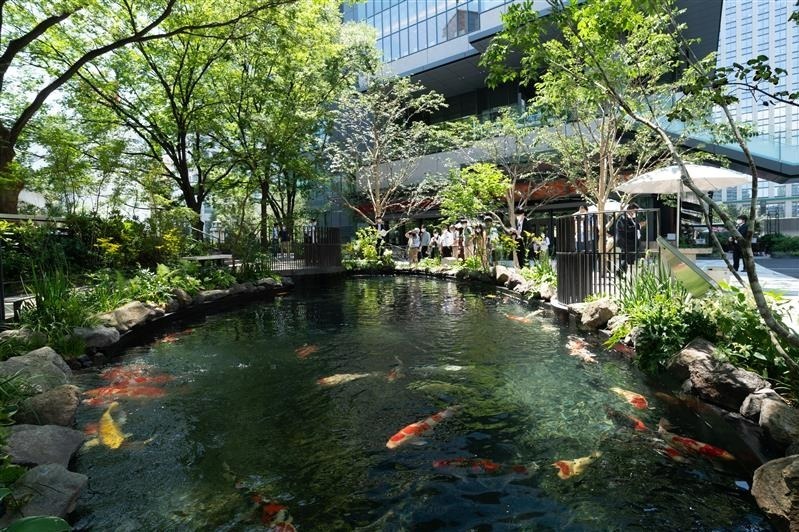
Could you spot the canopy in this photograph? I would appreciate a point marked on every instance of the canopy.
(667, 181)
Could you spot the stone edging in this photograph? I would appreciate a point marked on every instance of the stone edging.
(44, 440)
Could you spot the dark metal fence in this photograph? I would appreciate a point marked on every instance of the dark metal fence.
(304, 247)
(596, 253)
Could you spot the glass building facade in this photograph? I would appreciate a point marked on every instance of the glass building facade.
(405, 27)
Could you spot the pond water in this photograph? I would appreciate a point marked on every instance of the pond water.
(235, 424)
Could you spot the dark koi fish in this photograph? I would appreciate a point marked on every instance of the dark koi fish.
(625, 420)
(477, 465)
(306, 350)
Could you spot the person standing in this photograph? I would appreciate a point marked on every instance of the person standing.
(382, 230)
(424, 238)
(285, 241)
(447, 241)
(435, 242)
(627, 235)
(414, 243)
(519, 229)
(742, 227)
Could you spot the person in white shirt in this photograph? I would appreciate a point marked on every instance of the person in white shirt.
(424, 237)
(447, 241)
(414, 243)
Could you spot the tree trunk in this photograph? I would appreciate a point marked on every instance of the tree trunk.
(264, 215)
(9, 187)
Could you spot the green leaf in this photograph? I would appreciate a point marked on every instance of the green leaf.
(4, 492)
(10, 473)
(39, 524)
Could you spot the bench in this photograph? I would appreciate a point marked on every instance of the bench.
(220, 259)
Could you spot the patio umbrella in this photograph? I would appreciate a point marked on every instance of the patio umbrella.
(667, 181)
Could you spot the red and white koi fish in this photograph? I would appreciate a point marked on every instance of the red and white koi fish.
(626, 420)
(519, 319)
(143, 380)
(572, 468)
(341, 378)
(412, 431)
(477, 465)
(306, 350)
(670, 452)
(691, 446)
(274, 515)
(125, 372)
(635, 399)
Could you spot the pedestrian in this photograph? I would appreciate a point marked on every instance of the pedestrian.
(414, 243)
(627, 235)
(447, 241)
(382, 229)
(424, 238)
(435, 242)
(742, 227)
(285, 241)
(520, 226)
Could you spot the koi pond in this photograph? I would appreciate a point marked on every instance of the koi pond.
(397, 404)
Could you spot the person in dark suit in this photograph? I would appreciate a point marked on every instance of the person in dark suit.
(627, 237)
(743, 228)
(521, 226)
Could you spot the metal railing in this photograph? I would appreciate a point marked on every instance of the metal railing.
(304, 247)
(596, 252)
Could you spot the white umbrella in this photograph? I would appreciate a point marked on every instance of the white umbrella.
(667, 181)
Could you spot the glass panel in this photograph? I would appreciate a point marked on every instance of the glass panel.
(431, 32)
(395, 48)
(442, 27)
(413, 45)
(403, 36)
(395, 19)
(386, 22)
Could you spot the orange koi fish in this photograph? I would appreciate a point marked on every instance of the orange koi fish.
(572, 468)
(341, 378)
(624, 349)
(578, 348)
(519, 319)
(635, 399)
(102, 396)
(175, 337)
(395, 372)
(626, 420)
(274, 515)
(144, 380)
(477, 465)
(306, 350)
(124, 372)
(691, 446)
(412, 431)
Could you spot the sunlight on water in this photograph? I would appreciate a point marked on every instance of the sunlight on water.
(246, 434)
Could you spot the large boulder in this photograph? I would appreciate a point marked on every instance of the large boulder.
(714, 381)
(267, 281)
(47, 490)
(43, 369)
(207, 296)
(133, 314)
(24, 335)
(502, 274)
(780, 421)
(43, 444)
(754, 401)
(97, 337)
(616, 321)
(775, 487)
(183, 297)
(547, 291)
(596, 314)
(53, 407)
(109, 319)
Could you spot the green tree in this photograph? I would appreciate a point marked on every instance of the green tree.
(473, 191)
(378, 138)
(636, 54)
(43, 45)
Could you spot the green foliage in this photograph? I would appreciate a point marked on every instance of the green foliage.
(361, 252)
(542, 271)
(780, 243)
(472, 263)
(429, 262)
(650, 279)
(39, 524)
(473, 190)
(14, 346)
(59, 306)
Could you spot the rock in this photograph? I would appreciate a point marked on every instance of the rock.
(172, 305)
(287, 282)
(267, 281)
(522, 288)
(616, 321)
(48, 490)
(43, 369)
(53, 407)
(780, 421)
(133, 314)
(98, 359)
(97, 337)
(109, 319)
(183, 297)
(43, 444)
(717, 382)
(207, 296)
(547, 291)
(236, 288)
(24, 335)
(514, 280)
(502, 274)
(775, 487)
(596, 314)
(751, 405)
(248, 287)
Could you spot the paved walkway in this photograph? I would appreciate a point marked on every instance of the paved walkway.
(770, 279)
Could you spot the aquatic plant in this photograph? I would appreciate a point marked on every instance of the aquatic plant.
(362, 252)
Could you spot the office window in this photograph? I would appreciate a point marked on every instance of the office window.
(779, 191)
(413, 44)
(795, 189)
(795, 209)
(732, 193)
(776, 209)
(746, 193)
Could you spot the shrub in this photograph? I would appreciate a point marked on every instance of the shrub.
(542, 271)
(430, 262)
(361, 252)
